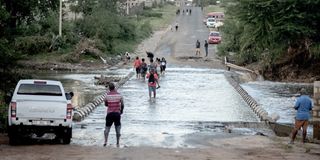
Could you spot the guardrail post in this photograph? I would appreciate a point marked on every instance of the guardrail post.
(316, 110)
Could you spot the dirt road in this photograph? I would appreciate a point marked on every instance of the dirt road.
(248, 147)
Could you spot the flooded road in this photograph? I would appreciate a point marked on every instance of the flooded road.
(184, 102)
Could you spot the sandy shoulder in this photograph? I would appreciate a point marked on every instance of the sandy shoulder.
(247, 147)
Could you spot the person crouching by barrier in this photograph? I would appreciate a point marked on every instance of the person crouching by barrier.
(114, 102)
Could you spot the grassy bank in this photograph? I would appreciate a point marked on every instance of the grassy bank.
(214, 8)
(168, 15)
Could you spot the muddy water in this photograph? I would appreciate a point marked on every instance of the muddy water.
(187, 99)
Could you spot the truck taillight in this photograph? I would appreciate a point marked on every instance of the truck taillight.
(13, 107)
(69, 111)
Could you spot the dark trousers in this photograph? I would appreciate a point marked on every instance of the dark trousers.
(206, 48)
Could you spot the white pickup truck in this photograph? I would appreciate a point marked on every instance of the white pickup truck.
(38, 107)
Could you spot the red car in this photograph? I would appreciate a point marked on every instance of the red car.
(214, 38)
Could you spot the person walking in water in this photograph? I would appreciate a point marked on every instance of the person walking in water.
(303, 106)
(152, 82)
(114, 102)
(197, 48)
(163, 64)
(206, 47)
(136, 65)
(143, 69)
(177, 26)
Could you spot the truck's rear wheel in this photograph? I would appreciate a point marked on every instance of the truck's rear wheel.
(66, 136)
(14, 139)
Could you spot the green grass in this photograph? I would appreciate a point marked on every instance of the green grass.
(214, 8)
(168, 14)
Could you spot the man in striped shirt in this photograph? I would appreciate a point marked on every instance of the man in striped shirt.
(114, 102)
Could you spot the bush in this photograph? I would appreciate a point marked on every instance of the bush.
(3, 114)
(145, 30)
(32, 45)
(151, 14)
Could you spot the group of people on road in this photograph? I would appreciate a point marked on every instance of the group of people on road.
(187, 11)
(198, 50)
(150, 71)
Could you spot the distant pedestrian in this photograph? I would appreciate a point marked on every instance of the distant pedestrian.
(197, 48)
(190, 11)
(136, 65)
(303, 106)
(177, 26)
(206, 47)
(127, 57)
(152, 83)
(158, 62)
(163, 66)
(143, 69)
(114, 102)
(153, 66)
(149, 55)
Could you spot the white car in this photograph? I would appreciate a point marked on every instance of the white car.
(211, 22)
(38, 107)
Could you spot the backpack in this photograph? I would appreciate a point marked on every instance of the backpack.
(151, 78)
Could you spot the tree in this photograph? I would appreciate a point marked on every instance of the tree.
(273, 29)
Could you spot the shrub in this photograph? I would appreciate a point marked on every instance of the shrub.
(151, 14)
(32, 45)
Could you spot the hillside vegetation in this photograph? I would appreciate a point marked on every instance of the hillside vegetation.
(280, 39)
(29, 31)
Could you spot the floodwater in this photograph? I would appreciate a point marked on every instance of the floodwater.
(191, 103)
(276, 97)
(188, 99)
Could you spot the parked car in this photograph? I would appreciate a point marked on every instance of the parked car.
(219, 16)
(38, 107)
(211, 22)
(214, 38)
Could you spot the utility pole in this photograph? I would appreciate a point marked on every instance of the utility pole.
(60, 19)
(127, 7)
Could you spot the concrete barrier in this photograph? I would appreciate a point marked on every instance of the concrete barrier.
(82, 112)
(316, 110)
(256, 108)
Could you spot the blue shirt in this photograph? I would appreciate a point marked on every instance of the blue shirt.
(303, 107)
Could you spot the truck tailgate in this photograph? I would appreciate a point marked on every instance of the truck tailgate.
(41, 109)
